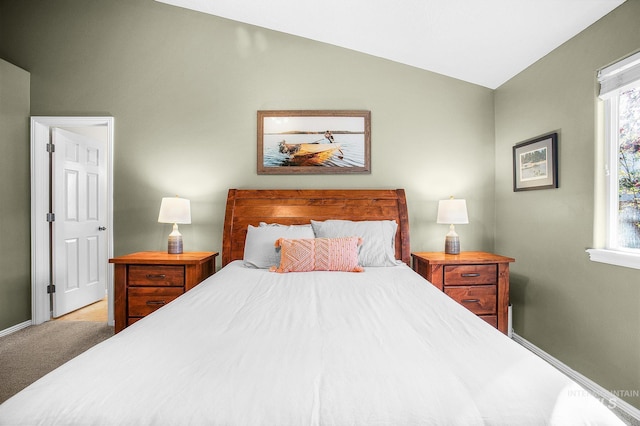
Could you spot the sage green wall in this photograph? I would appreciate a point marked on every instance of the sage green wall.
(184, 88)
(584, 313)
(15, 279)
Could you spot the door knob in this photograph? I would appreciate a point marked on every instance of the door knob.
(101, 228)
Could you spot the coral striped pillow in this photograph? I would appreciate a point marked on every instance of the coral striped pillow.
(319, 254)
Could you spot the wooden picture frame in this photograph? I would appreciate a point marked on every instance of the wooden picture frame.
(535, 163)
(314, 142)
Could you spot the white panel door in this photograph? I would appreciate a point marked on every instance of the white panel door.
(79, 204)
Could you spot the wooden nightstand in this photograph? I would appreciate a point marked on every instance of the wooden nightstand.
(477, 280)
(146, 281)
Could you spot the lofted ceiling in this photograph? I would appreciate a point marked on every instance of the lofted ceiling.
(485, 42)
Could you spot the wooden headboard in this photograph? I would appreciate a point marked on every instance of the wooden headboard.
(292, 206)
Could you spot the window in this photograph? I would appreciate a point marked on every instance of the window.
(628, 178)
(620, 93)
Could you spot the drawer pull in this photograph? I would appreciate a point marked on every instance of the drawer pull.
(475, 274)
(155, 302)
(470, 300)
(156, 276)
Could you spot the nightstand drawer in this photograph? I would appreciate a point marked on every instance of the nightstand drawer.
(491, 319)
(148, 280)
(470, 274)
(144, 300)
(156, 275)
(479, 299)
(476, 279)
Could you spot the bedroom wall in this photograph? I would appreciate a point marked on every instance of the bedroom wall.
(584, 313)
(184, 88)
(15, 279)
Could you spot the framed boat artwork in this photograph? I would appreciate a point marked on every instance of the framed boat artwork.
(535, 163)
(314, 142)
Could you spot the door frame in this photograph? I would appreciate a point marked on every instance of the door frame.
(40, 130)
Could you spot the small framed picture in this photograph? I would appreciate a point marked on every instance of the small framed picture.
(535, 163)
(314, 142)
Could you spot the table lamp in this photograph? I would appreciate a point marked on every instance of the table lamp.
(175, 210)
(452, 212)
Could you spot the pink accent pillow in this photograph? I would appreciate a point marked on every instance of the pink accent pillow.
(318, 254)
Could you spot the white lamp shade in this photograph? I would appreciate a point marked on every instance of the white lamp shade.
(452, 212)
(175, 210)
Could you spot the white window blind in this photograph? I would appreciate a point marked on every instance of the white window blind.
(615, 78)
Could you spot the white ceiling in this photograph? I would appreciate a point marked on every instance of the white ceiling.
(485, 42)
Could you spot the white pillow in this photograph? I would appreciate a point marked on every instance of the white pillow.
(379, 238)
(259, 245)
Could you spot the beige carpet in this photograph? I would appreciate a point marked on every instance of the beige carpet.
(30, 353)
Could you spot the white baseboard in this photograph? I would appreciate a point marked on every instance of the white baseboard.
(588, 384)
(15, 328)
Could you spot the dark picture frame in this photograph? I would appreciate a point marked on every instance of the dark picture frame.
(535, 163)
(314, 142)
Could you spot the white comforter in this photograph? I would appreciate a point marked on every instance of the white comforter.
(250, 347)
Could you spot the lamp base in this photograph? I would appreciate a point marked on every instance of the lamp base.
(175, 244)
(452, 244)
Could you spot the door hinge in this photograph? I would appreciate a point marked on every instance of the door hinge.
(51, 217)
(51, 147)
(51, 288)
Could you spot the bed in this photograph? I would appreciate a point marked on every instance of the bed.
(371, 344)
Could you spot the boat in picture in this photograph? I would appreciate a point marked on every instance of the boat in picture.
(308, 154)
